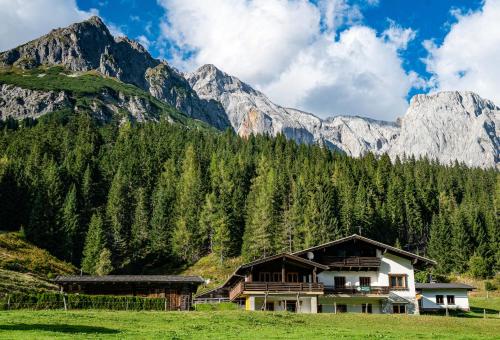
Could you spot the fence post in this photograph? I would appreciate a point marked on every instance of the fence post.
(165, 304)
(484, 312)
(8, 301)
(64, 301)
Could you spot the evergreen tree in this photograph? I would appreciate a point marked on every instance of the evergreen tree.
(188, 241)
(94, 244)
(215, 224)
(71, 226)
(163, 210)
(140, 227)
(261, 213)
(104, 265)
(117, 209)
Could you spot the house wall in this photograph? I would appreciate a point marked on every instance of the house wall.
(307, 304)
(354, 305)
(390, 264)
(429, 298)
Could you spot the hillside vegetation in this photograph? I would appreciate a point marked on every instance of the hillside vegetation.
(210, 268)
(27, 268)
(87, 88)
(16, 254)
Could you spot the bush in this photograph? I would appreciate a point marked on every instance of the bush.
(80, 301)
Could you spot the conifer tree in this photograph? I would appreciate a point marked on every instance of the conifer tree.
(117, 212)
(71, 226)
(187, 238)
(140, 227)
(261, 213)
(162, 218)
(94, 244)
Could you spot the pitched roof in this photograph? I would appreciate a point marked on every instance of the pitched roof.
(271, 258)
(367, 240)
(129, 278)
(284, 255)
(453, 285)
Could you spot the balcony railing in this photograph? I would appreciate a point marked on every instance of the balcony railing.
(358, 290)
(353, 261)
(275, 287)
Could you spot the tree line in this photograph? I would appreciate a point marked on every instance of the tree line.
(132, 198)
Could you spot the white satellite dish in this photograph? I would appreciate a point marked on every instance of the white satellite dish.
(310, 255)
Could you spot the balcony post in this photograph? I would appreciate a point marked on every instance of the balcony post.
(283, 271)
(315, 278)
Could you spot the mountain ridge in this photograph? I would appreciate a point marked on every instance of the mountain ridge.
(250, 111)
(448, 126)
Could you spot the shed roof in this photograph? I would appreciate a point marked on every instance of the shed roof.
(129, 278)
(454, 285)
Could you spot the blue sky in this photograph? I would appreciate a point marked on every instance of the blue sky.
(328, 57)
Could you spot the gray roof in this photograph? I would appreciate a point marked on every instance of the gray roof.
(455, 285)
(129, 278)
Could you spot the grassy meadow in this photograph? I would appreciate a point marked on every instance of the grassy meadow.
(26, 324)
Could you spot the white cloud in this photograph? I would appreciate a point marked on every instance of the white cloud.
(468, 58)
(26, 20)
(144, 41)
(293, 51)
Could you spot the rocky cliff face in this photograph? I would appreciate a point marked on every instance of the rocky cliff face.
(447, 126)
(451, 126)
(20, 103)
(90, 46)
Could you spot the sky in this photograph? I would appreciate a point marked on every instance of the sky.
(328, 57)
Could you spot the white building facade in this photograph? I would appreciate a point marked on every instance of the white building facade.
(441, 296)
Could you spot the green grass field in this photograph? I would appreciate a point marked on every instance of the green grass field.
(238, 325)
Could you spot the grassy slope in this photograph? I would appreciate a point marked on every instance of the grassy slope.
(209, 267)
(24, 266)
(83, 85)
(238, 325)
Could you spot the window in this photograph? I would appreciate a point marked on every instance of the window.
(291, 306)
(399, 308)
(366, 308)
(339, 281)
(292, 277)
(364, 281)
(439, 299)
(341, 308)
(276, 277)
(264, 277)
(450, 299)
(397, 281)
(269, 306)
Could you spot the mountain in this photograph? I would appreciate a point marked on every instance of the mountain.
(251, 112)
(89, 46)
(446, 126)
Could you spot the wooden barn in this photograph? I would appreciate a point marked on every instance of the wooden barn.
(178, 290)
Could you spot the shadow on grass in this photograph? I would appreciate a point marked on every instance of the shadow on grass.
(58, 328)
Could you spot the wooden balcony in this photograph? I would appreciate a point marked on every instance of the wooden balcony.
(358, 290)
(275, 288)
(353, 262)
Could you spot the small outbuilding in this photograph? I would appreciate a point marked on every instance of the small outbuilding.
(433, 297)
(177, 289)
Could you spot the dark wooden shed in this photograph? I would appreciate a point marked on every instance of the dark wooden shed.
(177, 289)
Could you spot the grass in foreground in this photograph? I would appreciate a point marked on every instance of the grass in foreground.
(238, 325)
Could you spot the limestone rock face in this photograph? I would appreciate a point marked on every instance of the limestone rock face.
(251, 112)
(447, 126)
(451, 126)
(19, 103)
(89, 46)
